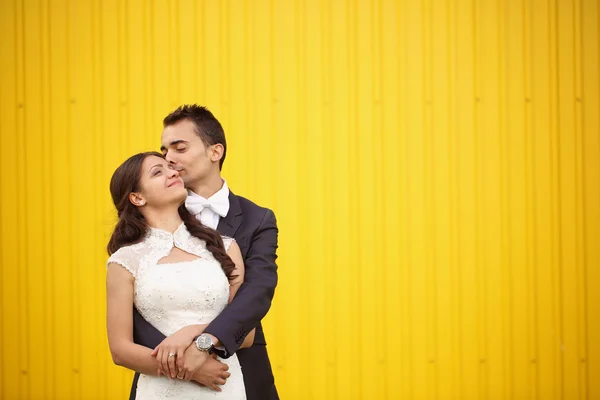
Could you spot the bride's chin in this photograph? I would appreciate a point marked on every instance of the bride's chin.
(181, 198)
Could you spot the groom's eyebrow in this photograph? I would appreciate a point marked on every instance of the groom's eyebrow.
(173, 143)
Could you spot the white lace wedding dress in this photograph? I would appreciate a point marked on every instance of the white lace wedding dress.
(171, 296)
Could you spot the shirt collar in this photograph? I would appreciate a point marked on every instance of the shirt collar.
(222, 195)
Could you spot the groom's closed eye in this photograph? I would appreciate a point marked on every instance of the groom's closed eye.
(178, 145)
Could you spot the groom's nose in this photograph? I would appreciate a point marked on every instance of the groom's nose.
(169, 158)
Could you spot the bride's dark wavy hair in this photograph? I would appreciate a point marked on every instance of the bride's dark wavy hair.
(132, 227)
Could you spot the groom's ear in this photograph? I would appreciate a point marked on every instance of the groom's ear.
(136, 199)
(216, 152)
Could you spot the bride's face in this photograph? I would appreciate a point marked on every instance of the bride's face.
(159, 184)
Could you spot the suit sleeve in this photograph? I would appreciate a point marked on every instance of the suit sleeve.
(253, 299)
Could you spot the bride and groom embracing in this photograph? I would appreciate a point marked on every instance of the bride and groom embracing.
(196, 264)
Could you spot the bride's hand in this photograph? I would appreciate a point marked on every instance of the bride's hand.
(170, 352)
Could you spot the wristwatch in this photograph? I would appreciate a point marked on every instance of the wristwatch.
(205, 343)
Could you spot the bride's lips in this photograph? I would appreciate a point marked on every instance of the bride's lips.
(175, 182)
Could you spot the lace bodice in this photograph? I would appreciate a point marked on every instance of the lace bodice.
(173, 295)
(157, 244)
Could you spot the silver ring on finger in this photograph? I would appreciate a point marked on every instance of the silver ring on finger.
(171, 354)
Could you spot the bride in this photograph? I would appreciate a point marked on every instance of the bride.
(178, 273)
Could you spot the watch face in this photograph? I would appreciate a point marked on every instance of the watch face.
(204, 342)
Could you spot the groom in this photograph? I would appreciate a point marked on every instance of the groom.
(193, 142)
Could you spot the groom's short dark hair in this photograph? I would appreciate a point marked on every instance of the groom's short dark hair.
(208, 128)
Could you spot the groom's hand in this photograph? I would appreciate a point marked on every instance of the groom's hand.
(193, 359)
(212, 373)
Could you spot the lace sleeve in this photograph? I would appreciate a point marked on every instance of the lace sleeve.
(227, 242)
(126, 258)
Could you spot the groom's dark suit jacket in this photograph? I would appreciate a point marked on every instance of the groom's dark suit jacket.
(255, 231)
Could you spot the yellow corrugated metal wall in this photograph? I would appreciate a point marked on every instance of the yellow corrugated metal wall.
(434, 166)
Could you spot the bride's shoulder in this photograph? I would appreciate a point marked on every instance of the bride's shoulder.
(129, 256)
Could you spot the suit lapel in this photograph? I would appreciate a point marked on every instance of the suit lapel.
(229, 225)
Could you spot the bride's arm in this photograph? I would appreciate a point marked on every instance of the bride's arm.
(119, 322)
(236, 256)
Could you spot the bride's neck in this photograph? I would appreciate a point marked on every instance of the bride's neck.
(165, 219)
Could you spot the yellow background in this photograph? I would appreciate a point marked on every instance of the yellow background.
(434, 166)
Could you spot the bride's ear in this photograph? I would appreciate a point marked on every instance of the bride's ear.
(136, 199)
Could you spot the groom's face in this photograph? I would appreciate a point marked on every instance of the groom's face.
(186, 152)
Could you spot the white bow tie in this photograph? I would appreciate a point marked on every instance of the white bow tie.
(196, 204)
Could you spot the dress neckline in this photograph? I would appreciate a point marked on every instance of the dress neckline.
(181, 262)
